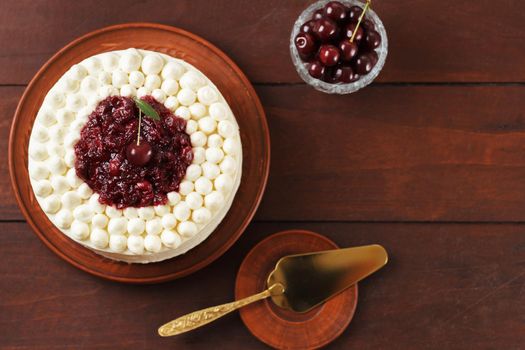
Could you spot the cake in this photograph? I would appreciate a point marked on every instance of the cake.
(135, 155)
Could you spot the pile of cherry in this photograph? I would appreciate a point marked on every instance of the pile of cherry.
(324, 44)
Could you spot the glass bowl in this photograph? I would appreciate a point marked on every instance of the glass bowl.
(330, 88)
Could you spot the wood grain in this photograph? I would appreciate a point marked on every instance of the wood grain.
(446, 286)
(440, 153)
(392, 152)
(430, 41)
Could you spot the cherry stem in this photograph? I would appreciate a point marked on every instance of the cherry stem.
(367, 5)
(138, 133)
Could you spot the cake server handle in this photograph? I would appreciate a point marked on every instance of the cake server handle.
(202, 317)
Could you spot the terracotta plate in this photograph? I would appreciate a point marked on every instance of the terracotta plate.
(284, 329)
(235, 88)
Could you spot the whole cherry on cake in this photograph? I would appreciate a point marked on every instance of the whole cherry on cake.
(338, 43)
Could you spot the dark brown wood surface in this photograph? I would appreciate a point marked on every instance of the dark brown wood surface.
(429, 161)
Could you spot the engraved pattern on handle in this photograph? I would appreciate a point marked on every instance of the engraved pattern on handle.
(200, 318)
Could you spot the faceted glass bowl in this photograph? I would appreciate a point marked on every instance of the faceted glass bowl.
(302, 67)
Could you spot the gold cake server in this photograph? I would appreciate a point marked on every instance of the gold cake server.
(298, 283)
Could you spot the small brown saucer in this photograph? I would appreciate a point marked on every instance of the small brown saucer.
(284, 329)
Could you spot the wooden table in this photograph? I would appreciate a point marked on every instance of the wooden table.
(429, 161)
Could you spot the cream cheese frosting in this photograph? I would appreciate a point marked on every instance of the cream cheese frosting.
(147, 234)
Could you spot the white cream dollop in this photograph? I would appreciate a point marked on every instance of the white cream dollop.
(199, 155)
(152, 82)
(128, 90)
(79, 230)
(207, 95)
(70, 200)
(99, 238)
(162, 210)
(201, 216)
(191, 127)
(152, 64)
(46, 117)
(214, 155)
(215, 140)
(214, 200)
(231, 146)
(187, 229)
(198, 139)
(203, 185)
(228, 165)
(193, 172)
(51, 204)
(186, 187)
(131, 213)
(136, 226)
(63, 218)
(192, 80)
(136, 244)
(95, 205)
(207, 125)
(118, 243)
(74, 102)
(173, 70)
(182, 211)
(226, 129)
(40, 133)
(169, 221)
(154, 226)
(184, 113)
(170, 239)
(119, 78)
(159, 95)
(186, 97)
(224, 183)
(198, 110)
(173, 198)
(38, 152)
(83, 213)
(171, 103)
(84, 191)
(89, 85)
(170, 86)
(194, 200)
(152, 243)
(110, 62)
(42, 188)
(117, 226)
(136, 78)
(99, 221)
(130, 61)
(77, 72)
(218, 111)
(59, 184)
(210, 170)
(146, 213)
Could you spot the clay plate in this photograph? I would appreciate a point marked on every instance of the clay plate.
(235, 88)
(284, 329)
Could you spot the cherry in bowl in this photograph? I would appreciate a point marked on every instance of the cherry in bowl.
(341, 53)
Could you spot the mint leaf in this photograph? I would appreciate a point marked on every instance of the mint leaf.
(146, 109)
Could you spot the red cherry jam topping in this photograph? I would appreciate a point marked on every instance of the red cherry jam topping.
(123, 173)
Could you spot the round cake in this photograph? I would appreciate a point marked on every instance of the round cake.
(135, 155)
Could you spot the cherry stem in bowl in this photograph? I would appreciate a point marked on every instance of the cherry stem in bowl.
(367, 5)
